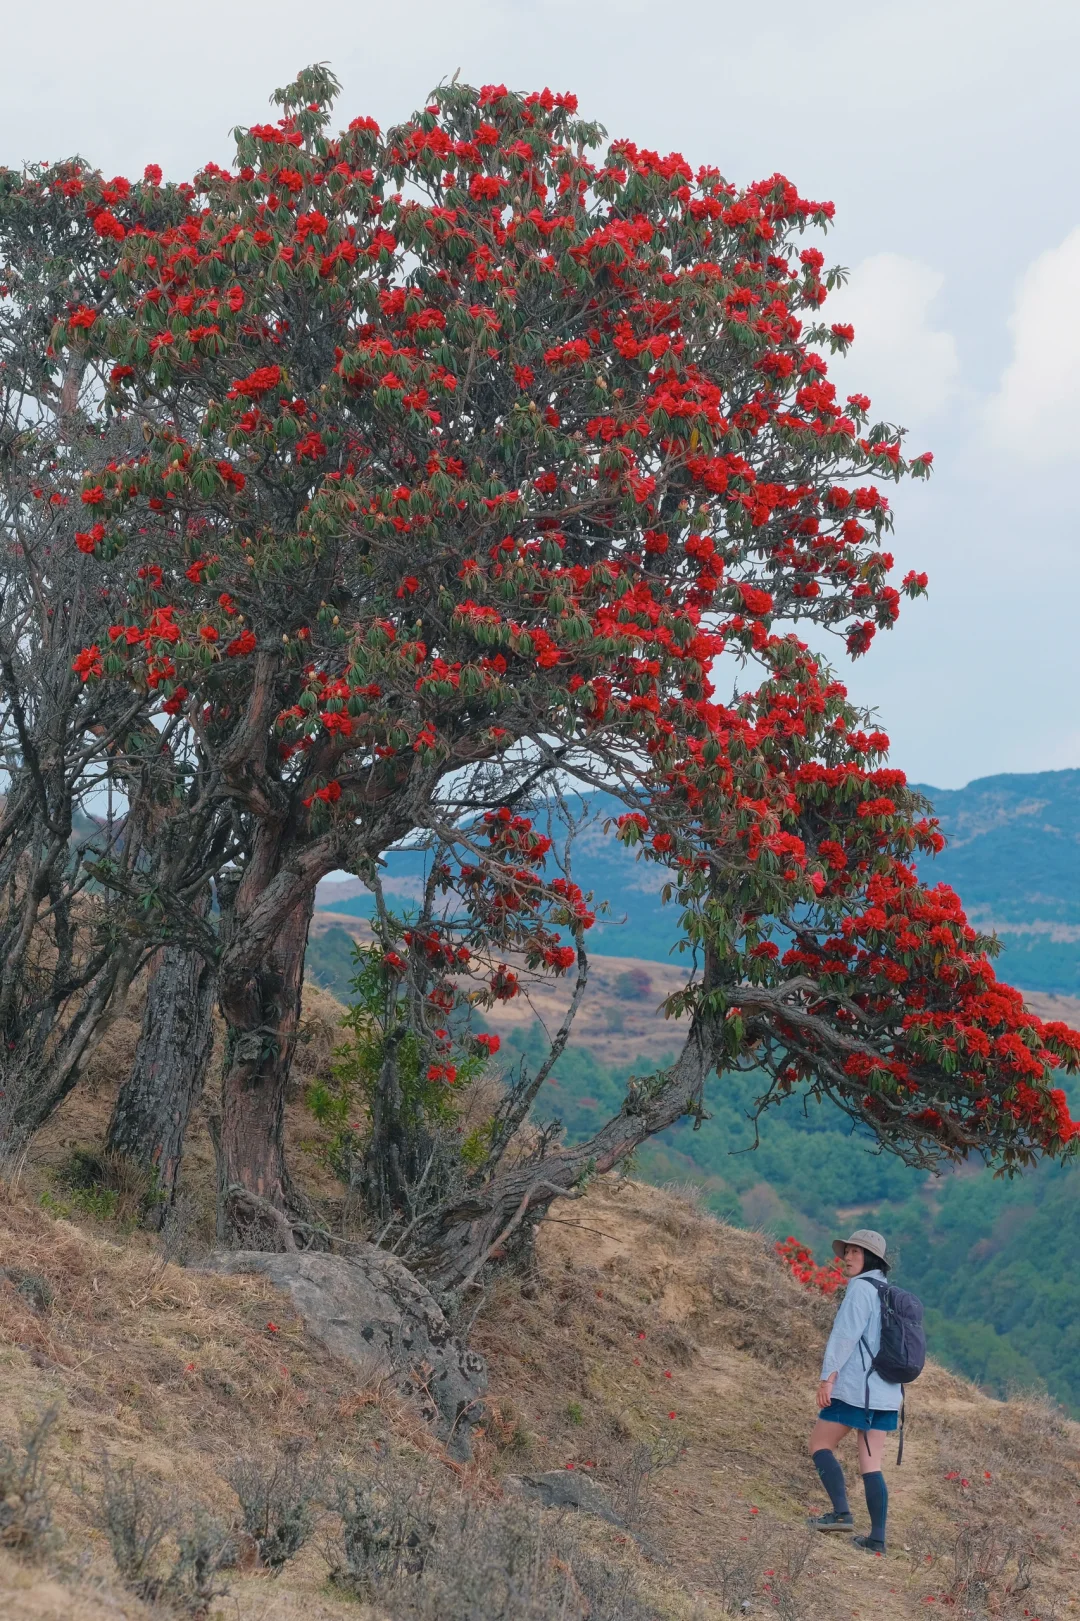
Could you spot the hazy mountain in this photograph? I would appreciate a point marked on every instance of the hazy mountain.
(1013, 855)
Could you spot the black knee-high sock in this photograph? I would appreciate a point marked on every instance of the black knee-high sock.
(832, 1478)
(877, 1501)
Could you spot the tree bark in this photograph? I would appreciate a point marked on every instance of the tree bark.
(503, 1211)
(260, 1003)
(154, 1105)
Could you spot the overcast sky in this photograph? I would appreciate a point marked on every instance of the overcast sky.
(946, 132)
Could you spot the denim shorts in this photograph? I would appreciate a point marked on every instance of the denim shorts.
(857, 1418)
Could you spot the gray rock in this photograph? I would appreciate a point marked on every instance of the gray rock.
(369, 1309)
(564, 1488)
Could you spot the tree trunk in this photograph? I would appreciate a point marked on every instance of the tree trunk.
(501, 1214)
(260, 1004)
(40, 1070)
(155, 1102)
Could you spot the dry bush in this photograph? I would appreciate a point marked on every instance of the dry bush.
(1006, 1495)
(427, 1556)
(770, 1561)
(386, 1532)
(164, 1552)
(26, 1492)
(137, 1519)
(277, 1492)
(13, 1157)
(634, 1474)
(923, 1544)
(990, 1561)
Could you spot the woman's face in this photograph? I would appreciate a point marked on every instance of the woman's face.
(854, 1260)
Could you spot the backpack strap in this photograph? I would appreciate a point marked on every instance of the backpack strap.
(903, 1421)
(869, 1368)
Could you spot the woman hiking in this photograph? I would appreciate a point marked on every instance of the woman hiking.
(852, 1396)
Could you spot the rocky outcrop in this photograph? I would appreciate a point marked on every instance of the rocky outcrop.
(564, 1488)
(369, 1309)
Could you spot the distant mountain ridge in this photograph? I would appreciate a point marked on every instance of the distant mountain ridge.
(1013, 856)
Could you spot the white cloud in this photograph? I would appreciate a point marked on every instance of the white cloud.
(1037, 405)
(908, 366)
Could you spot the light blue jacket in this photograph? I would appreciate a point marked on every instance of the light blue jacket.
(859, 1318)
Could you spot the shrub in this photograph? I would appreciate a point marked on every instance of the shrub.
(109, 1186)
(35, 1290)
(770, 1561)
(633, 985)
(163, 1552)
(428, 1557)
(203, 1549)
(136, 1517)
(386, 1531)
(277, 1496)
(635, 1476)
(25, 1491)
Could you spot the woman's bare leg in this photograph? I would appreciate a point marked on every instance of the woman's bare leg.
(871, 1451)
(827, 1435)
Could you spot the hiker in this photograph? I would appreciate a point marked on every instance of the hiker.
(852, 1396)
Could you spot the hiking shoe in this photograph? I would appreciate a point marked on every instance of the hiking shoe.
(869, 1544)
(831, 1522)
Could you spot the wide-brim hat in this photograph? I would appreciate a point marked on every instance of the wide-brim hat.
(867, 1240)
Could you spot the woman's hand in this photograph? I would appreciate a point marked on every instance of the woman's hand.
(825, 1390)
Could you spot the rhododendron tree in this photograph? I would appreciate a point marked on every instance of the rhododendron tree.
(475, 460)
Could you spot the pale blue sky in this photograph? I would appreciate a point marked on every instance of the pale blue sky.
(946, 133)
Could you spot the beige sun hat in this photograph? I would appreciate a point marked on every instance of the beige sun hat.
(866, 1239)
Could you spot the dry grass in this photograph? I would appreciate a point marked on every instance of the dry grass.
(174, 1370)
(647, 1308)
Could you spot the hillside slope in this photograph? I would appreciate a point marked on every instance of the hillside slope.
(991, 1258)
(665, 1356)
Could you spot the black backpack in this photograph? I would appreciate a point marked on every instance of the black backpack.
(901, 1356)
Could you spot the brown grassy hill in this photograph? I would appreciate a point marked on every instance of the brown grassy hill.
(656, 1351)
(661, 1354)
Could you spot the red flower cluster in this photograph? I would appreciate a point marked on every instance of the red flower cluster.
(802, 1266)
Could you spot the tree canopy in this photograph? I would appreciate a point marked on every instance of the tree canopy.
(467, 462)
